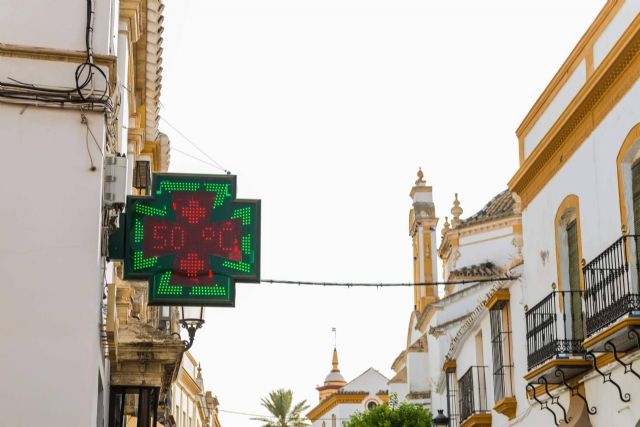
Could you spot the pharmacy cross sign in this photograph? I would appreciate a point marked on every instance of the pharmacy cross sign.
(192, 239)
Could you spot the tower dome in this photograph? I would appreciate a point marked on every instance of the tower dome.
(334, 380)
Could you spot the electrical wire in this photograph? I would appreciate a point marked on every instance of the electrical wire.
(85, 73)
(217, 164)
(248, 414)
(387, 285)
(196, 158)
(85, 121)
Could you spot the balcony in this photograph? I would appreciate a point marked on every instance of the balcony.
(554, 327)
(472, 389)
(612, 297)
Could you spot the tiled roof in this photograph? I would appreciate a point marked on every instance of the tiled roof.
(499, 207)
(400, 377)
(444, 325)
(486, 269)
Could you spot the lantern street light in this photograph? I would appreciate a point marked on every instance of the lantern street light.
(192, 319)
(441, 419)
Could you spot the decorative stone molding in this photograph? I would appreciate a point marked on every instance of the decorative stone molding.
(507, 407)
(477, 420)
(449, 365)
(498, 299)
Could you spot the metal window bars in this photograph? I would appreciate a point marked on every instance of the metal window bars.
(554, 327)
(472, 389)
(501, 351)
(611, 284)
(452, 398)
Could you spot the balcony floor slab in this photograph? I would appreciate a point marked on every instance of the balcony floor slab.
(618, 334)
(572, 367)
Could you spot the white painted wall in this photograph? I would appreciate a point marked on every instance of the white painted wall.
(601, 48)
(400, 389)
(370, 381)
(50, 260)
(51, 295)
(562, 99)
(614, 30)
(417, 371)
(590, 174)
(495, 246)
(56, 24)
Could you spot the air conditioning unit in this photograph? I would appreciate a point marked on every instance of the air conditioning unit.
(115, 180)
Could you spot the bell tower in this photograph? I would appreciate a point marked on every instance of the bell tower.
(422, 229)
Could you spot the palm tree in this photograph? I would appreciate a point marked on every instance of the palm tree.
(279, 404)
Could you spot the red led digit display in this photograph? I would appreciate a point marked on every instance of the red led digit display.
(192, 237)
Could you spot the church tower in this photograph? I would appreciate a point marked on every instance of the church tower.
(334, 381)
(422, 229)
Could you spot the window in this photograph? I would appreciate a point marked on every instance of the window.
(452, 398)
(628, 165)
(333, 420)
(635, 188)
(501, 351)
(574, 279)
(133, 406)
(371, 404)
(177, 419)
(568, 258)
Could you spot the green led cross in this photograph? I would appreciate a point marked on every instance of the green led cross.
(191, 239)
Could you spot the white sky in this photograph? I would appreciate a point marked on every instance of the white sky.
(324, 110)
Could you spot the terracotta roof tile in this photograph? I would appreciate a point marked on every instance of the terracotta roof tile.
(499, 207)
(486, 269)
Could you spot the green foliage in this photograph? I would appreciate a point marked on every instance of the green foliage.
(283, 415)
(400, 415)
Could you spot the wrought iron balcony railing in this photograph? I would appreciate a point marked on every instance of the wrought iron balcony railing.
(554, 327)
(472, 389)
(611, 284)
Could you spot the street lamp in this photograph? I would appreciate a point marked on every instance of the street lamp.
(192, 319)
(441, 419)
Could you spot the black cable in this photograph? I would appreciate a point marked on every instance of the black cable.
(387, 285)
(31, 92)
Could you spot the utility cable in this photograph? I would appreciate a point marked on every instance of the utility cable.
(217, 164)
(387, 285)
(196, 158)
(85, 73)
(248, 414)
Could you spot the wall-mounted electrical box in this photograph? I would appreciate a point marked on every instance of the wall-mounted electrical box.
(115, 180)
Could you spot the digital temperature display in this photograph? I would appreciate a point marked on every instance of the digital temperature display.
(192, 239)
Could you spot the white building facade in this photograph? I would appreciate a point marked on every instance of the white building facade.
(339, 400)
(79, 90)
(579, 184)
(459, 346)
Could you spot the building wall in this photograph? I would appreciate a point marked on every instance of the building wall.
(493, 245)
(591, 175)
(60, 24)
(417, 371)
(50, 254)
(51, 265)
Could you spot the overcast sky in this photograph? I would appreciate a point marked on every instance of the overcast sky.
(325, 109)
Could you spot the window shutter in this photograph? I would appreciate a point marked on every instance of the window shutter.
(575, 303)
(574, 261)
(635, 186)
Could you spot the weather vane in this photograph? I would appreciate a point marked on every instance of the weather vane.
(335, 338)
